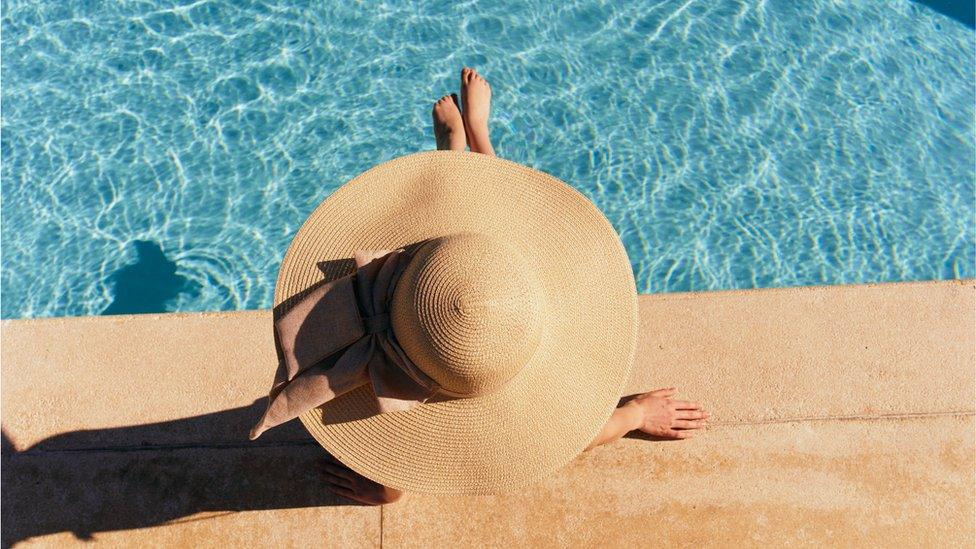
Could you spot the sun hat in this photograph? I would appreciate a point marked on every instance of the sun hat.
(453, 322)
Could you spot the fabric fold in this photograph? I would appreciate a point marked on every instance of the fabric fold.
(349, 315)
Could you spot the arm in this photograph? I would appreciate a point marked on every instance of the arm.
(624, 420)
(655, 414)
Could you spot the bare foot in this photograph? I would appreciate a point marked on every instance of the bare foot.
(476, 99)
(448, 126)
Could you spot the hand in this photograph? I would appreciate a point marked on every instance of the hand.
(348, 483)
(663, 417)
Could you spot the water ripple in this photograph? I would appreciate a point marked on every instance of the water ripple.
(731, 144)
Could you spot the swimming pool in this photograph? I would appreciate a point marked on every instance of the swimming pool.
(160, 155)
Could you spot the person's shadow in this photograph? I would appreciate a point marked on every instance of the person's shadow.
(147, 285)
(103, 480)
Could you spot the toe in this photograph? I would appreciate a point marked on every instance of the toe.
(442, 102)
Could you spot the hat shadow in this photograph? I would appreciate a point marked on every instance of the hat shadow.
(103, 480)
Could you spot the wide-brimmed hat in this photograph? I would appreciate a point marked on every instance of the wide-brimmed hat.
(452, 322)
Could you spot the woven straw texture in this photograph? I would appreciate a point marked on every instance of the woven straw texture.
(558, 401)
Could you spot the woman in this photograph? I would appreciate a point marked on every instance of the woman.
(458, 356)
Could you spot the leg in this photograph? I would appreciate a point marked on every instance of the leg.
(476, 99)
(448, 126)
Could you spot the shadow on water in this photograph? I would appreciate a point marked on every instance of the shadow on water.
(146, 285)
(963, 11)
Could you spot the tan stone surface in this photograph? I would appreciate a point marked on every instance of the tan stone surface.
(838, 413)
(864, 483)
(813, 352)
(288, 528)
(137, 379)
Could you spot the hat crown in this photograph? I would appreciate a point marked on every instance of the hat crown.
(467, 311)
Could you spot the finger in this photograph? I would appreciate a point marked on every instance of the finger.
(664, 392)
(691, 414)
(684, 424)
(685, 405)
(346, 493)
(340, 472)
(337, 482)
(680, 434)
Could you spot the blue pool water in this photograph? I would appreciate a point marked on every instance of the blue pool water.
(160, 155)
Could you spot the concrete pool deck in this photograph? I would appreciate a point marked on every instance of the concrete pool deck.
(841, 415)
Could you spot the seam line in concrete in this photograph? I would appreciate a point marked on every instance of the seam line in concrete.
(855, 417)
(740, 292)
(302, 443)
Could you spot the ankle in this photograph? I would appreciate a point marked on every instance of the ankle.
(475, 121)
(480, 143)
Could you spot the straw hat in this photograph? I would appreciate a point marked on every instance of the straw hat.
(519, 292)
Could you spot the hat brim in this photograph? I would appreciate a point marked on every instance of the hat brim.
(557, 404)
